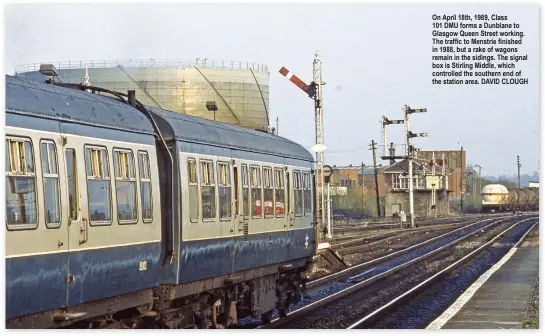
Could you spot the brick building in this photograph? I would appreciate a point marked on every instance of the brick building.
(353, 180)
(353, 189)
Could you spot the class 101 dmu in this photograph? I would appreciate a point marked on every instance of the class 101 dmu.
(120, 215)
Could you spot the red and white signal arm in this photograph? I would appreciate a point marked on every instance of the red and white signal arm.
(328, 171)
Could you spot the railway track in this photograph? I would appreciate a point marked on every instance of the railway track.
(366, 243)
(360, 266)
(319, 306)
(383, 317)
(346, 229)
(355, 233)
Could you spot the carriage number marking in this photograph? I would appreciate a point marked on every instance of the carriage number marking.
(143, 265)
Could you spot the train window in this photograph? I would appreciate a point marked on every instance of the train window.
(307, 194)
(50, 176)
(298, 193)
(224, 189)
(268, 192)
(125, 186)
(72, 181)
(279, 192)
(98, 185)
(245, 192)
(21, 208)
(208, 190)
(256, 191)
(193, 190)
(145, 187)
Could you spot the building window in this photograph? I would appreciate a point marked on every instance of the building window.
(418, 182)
(98, 185)
(404, 181)
(21, 207)
(208, 190)
(395, 181)
(145, 186)
(51, 183)
(298, 193)
(193, 190)
(268, 192)
(256, 192)
(245, 192)
(307, 194)
(125, 186)
(279, 192)
(400, 181)
(224, 189)
(72, 183)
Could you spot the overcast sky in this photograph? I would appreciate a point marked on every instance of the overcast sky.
(375, 59)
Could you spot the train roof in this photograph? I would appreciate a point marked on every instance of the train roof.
(59, 103)
(65, 104)
(194, 129)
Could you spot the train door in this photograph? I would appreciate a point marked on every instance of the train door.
(226, 185)
(298, 200)
(77, 210)
(289, 201)
(243, 210)
(36, 236)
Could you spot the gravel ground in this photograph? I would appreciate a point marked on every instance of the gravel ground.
(392, 245)
(344, 312)
(531, 320)
(532, 239)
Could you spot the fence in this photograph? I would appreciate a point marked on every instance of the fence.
(151, 63)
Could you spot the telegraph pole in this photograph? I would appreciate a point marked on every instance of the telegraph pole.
(410, 153)
(433, 184)
(374, 148)
(362, 185)
(518, 168)
(461, 181)
(479, 182)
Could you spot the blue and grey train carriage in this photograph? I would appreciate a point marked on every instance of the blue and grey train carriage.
(120, 215)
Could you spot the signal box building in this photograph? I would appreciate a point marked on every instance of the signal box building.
(430, 187)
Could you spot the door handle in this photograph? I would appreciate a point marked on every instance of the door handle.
(292, 219)
(84, 230)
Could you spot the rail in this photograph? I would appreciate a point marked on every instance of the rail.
(371, 276)
(150, 63)
(426, 283)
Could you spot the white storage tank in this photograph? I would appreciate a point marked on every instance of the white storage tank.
(494, 194)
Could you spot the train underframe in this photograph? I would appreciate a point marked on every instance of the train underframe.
(215, 303)
(509, 207)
